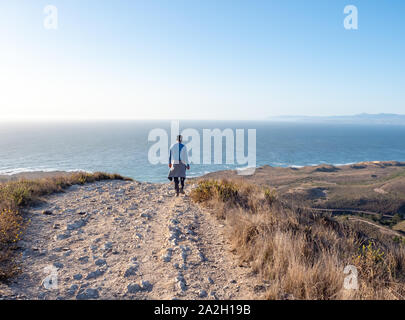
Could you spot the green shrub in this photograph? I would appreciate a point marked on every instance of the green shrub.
(396, 218)
(223, 191)
(270, 195)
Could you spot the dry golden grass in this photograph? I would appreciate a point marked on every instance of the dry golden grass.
(400, 226)
(300, 253)
(367, 186)
(16, 194)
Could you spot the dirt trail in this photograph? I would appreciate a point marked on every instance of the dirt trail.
(381, 228)
(127, 240)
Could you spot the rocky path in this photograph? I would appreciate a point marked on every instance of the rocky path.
(126, 240)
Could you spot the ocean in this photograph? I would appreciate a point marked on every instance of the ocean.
(122, 146)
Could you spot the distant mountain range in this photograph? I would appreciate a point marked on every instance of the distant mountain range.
(363, 118)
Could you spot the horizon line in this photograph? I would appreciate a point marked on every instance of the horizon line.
(79, 119)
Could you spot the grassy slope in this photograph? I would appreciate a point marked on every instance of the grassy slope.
(400, 226)
(14, 195)
(301, 253)
(372, 186)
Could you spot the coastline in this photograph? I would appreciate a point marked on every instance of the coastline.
(40, 174)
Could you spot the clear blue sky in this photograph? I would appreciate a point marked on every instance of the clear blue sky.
(206, 59)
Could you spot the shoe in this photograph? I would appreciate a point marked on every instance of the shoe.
(181, 191)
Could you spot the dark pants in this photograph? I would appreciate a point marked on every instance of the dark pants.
(176, 183)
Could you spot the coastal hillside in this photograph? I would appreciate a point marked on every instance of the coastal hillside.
(303, 253)
(374, 190)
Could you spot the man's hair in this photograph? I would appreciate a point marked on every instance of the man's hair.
(179, 138)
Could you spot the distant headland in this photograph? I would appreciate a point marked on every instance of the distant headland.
(363, 118)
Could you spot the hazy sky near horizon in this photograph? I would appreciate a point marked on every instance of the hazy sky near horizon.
(189, 59)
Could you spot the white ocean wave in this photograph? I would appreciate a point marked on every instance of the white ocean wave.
(9, 172)
(322, 163)
(344, 164)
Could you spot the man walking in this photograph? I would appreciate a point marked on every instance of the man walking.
(178, 163)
